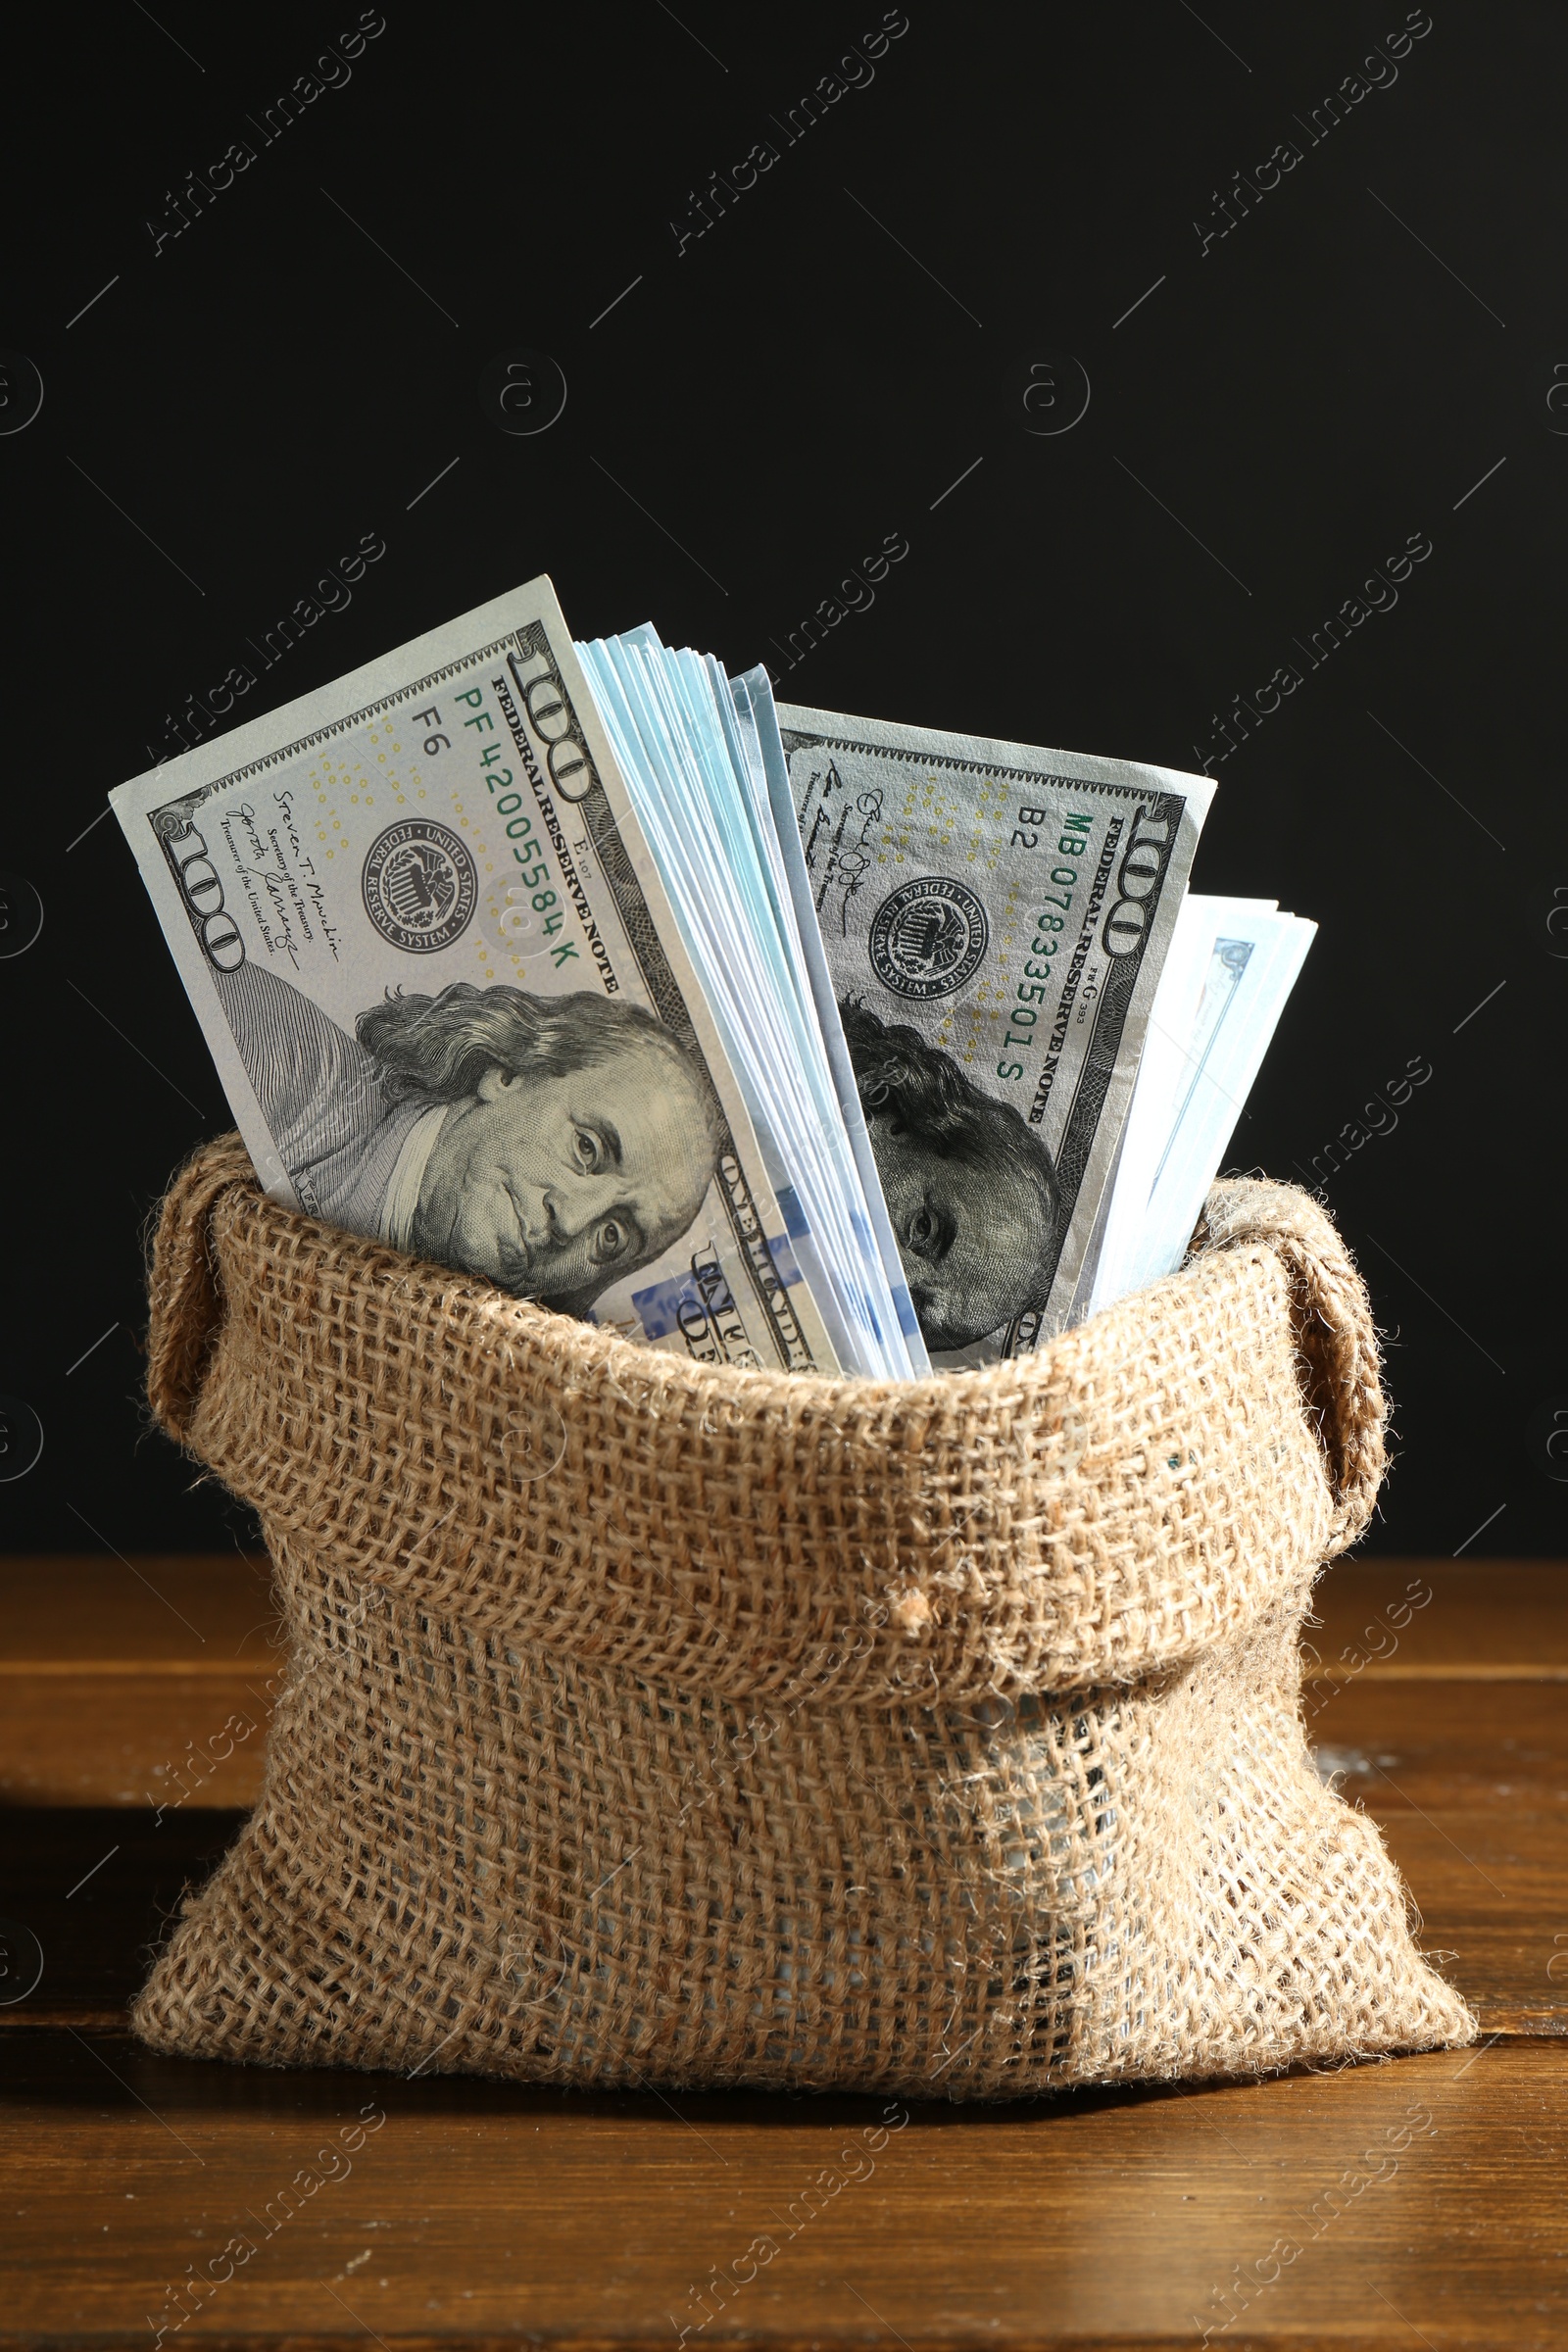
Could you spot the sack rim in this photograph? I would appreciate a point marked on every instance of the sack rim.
(1050, 1522)
(183, 1273)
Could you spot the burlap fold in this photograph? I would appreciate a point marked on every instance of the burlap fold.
(651, 1721)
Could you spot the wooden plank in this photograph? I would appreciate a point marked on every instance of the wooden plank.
(130, 1738)
(1484, 1619)
(1373, 2207)
(1469, 1784)
(201, 1611)
(1367, 2208)
(88, 1894)
(134, 1682)
(120, 1680)
(1490, 1905)
(1443, 1744)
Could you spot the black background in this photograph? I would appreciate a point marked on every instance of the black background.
(1277, 417)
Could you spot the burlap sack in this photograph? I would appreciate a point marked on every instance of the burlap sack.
(651, 1722)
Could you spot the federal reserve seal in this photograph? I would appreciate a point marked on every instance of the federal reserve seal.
(928, 937)
(421, 886)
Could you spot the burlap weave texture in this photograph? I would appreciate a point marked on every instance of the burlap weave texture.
(652, 1721)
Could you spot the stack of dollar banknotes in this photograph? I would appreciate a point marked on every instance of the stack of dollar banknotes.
(767, 1035)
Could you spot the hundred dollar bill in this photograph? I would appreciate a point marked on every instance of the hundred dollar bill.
(995, 918)
(432, 956)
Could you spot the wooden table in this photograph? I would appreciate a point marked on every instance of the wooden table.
(476, 2213)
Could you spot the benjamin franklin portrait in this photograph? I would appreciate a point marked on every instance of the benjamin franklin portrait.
(552, 1144)
(970, 1188)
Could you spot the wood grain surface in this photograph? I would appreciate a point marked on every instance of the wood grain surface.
(1386, 2205)
(1381, 2205)
(117, 1678)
